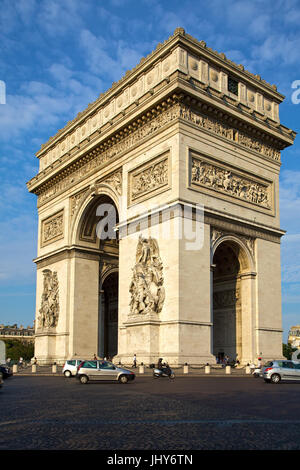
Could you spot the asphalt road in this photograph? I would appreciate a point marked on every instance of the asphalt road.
(189, 413)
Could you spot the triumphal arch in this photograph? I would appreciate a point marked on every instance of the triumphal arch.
(158, 207)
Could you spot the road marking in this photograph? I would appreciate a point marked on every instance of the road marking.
(223, 422)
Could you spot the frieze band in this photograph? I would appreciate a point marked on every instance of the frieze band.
(163, 114)
(223, 179)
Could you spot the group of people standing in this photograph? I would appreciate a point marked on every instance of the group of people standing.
(226, 361)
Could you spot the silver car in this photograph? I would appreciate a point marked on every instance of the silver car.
(275, 371)
(103, 370)
(70, 367)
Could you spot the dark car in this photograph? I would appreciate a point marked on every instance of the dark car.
(6, 371)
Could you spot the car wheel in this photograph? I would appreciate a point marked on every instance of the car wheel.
(255, 375)
(84, 379)
(67, 373)
(123, 379)
(275, 379)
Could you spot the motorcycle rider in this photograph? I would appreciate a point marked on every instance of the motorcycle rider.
(163, 369)
(163, 366)
(167, 369)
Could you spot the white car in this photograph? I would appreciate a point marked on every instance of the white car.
(70, 367)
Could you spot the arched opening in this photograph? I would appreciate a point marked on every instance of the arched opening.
(109, 316)
(96, 230)
(227, 302)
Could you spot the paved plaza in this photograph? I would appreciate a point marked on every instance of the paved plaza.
(189, 413)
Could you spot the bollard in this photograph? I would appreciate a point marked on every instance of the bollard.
(207, 369)
(33, 368)
(248, 369)
(228, 370)
(186, 368)
(15, 368)
(54, 368)
(142, 368)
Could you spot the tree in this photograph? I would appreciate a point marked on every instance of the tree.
(287, 351)
(16, 349)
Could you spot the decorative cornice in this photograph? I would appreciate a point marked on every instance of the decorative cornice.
(241, 227)
(123, 140)
(178, 106)
(180, 53)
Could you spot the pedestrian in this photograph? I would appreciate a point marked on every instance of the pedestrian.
(21, 362)
(134, 361)
(95, 357)
(35, 361)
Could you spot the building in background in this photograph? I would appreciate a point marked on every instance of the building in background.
(294, 336)
(14, 332)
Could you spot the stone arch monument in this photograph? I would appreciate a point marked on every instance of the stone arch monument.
(159, 230)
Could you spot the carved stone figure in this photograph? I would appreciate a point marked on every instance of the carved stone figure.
(149, 179)
(49, 310)
(146, 287)
(53, 228)
(226, 181)
(115, 181)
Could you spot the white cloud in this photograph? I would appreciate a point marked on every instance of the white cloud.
(107, 59)
(39, 106)
(278, 48)
(61, 18)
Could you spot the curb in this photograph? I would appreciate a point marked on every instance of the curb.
(17, 374)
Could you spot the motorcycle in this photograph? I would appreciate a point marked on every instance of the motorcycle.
(166, 371)
(256, 373)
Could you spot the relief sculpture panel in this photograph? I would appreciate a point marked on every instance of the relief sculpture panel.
(230, 182)
(149, 179)
(49, 310)
(146, 288)
(52, 228)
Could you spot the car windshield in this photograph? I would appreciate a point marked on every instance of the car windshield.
(269, 364)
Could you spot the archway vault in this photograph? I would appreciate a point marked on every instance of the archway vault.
(85, 208)
(243, 247)
(94, 231)
(233, 297)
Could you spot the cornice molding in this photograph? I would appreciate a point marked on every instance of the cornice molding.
(179, 107)
(181, 53)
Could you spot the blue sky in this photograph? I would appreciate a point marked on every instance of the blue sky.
(57, 56)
